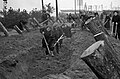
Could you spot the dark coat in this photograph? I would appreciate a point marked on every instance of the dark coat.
(107, 21)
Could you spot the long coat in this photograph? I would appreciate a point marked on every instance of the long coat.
(107, 22)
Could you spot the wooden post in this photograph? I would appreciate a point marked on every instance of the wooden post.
(40, 24)
(90, 55)
(75, 6)
(36, 21)
(79, 6)
(17, 29)
(26, 27)
(56, 10)
(28, 30)
(42, 5)
(111, 64)
(4, 29)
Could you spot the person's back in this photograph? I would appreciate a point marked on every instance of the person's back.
(47, 32)
(70, 17)
(107, 22)
(45, 16)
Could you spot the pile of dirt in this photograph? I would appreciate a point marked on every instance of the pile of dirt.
(78, 69)
(31, 60)
(25, 58)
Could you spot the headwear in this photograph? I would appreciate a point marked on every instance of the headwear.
(115, 11)
(95, 13)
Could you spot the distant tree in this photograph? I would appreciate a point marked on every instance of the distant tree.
(12, 17)
(49, 8)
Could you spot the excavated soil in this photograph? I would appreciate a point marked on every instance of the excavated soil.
(32, 62)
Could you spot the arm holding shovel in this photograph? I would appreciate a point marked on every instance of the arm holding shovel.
(46, 43)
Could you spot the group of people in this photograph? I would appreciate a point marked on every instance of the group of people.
(53, 35)
(113, 23)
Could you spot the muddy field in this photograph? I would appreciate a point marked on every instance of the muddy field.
(31, 63)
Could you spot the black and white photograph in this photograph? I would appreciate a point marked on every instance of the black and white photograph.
(59, 39)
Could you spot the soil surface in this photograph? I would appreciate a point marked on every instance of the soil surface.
(31, 60)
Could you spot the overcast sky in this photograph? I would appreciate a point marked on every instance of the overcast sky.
(63, 4)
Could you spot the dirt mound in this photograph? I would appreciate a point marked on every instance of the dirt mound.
(32, 62)
(25, 58)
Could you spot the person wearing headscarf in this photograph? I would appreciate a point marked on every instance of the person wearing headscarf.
(116, 24)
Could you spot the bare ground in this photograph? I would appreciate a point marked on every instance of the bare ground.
(32, 62)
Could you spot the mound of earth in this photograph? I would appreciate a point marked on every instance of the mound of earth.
(25, 58)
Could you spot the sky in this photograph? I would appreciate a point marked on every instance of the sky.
(63, 4)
